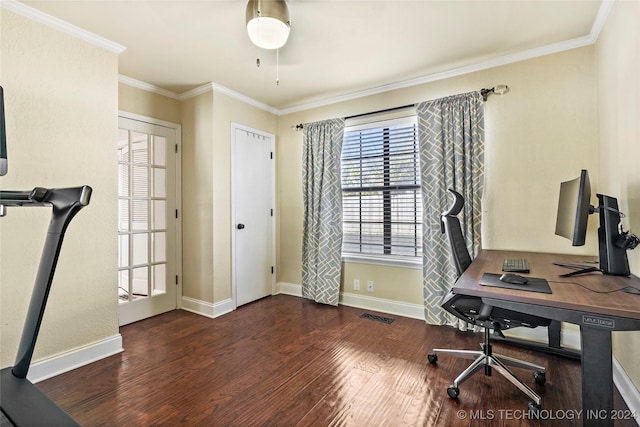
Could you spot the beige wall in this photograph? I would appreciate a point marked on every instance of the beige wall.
(149, 104)
(197, 197)
(62, 130)
(618, 69)
(541, 133)
(206, 190)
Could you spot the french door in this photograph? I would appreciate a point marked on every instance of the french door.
(147, 219)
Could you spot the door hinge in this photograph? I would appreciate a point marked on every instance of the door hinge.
(176, 148)
(271, 154)
(271, 269)
(271, 212)
(176, 213)
(176, 279)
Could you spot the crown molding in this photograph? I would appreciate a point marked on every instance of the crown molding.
(198, 91)
(148, 87)
(58, 24)
(230, 93)
(591, 38)
(601, 18)
(596, 28)
(243, 98)
(455, 72)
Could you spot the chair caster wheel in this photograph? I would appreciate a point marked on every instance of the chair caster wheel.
(534, 409)
(432, 358)
(453, 392)
(540, 377)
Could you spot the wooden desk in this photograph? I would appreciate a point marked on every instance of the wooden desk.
(596, 314)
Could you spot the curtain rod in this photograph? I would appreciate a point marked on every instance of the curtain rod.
(380, 111)
(498, 90)
(300, 126)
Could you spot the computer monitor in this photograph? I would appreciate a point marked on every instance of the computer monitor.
(574, 209)
(3, 137)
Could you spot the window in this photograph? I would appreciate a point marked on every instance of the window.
(382, 209)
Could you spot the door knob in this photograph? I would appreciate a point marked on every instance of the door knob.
(240, 226)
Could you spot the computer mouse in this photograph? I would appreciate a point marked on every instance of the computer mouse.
(514, 279)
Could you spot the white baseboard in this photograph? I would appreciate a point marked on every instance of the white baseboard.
(569, 338)
(627, 389)
(399, 308)
(289, 289)
(414, 311)
(206, 308)
(48, 368)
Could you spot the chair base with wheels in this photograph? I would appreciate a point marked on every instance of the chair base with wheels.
(485, 359)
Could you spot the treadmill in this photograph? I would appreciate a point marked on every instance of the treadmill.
(21, 402)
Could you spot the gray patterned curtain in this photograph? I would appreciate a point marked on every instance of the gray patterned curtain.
(451, 138)
(322, 227)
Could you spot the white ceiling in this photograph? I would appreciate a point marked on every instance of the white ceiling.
(336, 48)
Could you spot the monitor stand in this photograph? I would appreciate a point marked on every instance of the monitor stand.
(578, 269)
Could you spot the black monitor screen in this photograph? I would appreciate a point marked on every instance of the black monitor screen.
(571, 222)
(3, 136)
(574, 209)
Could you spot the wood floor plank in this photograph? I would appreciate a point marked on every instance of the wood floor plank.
(286, 361)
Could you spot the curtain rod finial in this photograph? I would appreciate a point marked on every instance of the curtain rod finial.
(501, 89)
(498, 90)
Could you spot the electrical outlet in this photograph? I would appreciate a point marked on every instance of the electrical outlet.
(356, 284)
(370, 285)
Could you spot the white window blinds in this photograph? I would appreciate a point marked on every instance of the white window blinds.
(382, 211)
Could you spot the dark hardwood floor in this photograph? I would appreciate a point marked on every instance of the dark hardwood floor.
(286, 361)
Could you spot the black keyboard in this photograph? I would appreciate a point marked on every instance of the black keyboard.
(515, 265)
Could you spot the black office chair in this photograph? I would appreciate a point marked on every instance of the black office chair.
(473, 310)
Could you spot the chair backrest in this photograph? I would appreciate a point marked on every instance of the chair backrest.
(451, 226)
(470, 308)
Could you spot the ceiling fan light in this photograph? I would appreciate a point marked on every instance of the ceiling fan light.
(268, 23)
(268, 33)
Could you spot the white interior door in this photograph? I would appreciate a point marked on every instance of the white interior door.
(253, 189)
(147, 224)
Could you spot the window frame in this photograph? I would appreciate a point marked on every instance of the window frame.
(376, 122)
